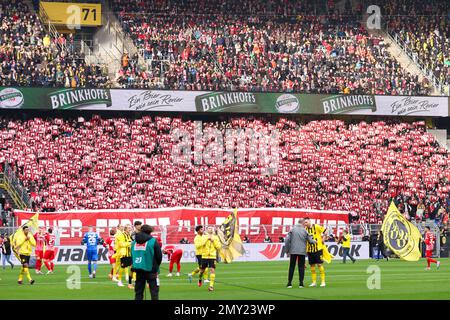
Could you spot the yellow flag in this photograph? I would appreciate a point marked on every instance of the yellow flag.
(19, 235)
(326, 255)
(400, 235)
(228, 234)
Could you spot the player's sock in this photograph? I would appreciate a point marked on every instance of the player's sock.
(116, 268)
(21, 274)
(48, 266)
(205, 275)
(89, 267)
(53, 266)
(322, 274)
(95, 267)
(127, 276)
(432, 260)
(170, 266)
(38, 265)
(178, 267)
(313, 274)
(27, 273)
(112, 271)
(134, 276)
(200, 276)
(193, 273)
(212, 278)
(428, 262)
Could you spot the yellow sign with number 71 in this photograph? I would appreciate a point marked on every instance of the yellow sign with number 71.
(72, 15)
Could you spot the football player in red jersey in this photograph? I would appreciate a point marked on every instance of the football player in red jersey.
(109, 244)
(50, 250)
(430, 240)
(39, 249)
(174, 256)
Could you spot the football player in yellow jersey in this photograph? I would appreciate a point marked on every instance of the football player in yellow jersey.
(124, 253)
(345, 240)
(24, 247)
(117, 237)
(211, 245)
(314, 251)
(198, 254)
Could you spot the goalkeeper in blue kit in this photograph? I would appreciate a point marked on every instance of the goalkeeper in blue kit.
(92, 240)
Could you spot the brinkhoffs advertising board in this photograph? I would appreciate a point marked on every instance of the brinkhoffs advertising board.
(223, 102)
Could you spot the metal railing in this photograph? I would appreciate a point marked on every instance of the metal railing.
(114, 24)
(50, 28)
(7, 231)
(87, 48)
(440, 86)
(5, 185)
(10, 182)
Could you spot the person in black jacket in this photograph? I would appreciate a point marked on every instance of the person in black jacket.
(146, 262)
(381, 247)
(6, 252)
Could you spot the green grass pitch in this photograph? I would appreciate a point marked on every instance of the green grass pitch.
(248, 280)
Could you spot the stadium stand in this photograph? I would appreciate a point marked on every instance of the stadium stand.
(226, 45)
(223, 49)
(96, 162)
(31, 57)
(275, 46)
(423, 30)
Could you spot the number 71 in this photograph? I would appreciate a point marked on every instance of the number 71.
(86, 13)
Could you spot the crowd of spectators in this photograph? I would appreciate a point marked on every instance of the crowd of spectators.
(292, 46)
(224, 7)
(99, 163)
(424, 28)
(29, 56)
(240, 45)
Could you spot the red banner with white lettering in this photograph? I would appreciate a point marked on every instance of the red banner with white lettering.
(179, 222)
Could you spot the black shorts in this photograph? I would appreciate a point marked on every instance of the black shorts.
(315, 257)
(126, 262)
(199, 260)
(24, 259)
(208, 263)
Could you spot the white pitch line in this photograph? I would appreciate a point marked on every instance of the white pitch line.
(330, 275)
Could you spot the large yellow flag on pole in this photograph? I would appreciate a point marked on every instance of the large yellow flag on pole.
(19, 236)
(400, 235)
(228, 234)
